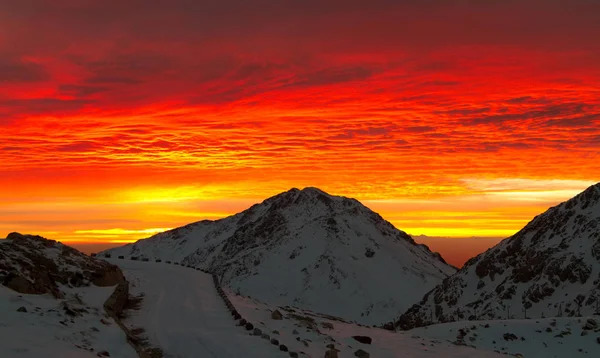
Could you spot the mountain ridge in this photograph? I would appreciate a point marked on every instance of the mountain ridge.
(549, 267)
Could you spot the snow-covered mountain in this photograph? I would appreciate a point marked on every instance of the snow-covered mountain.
(550, 268)
(308, 249)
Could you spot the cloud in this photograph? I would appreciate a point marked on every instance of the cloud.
(16, 71)
(46, 106)
(81, 90)
(331, 76)
(78, 147)
(554, 112)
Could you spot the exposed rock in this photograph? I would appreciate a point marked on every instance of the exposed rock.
(21, 309)
(283, 348)
(327, 325)
(257, 332)
(363, 339)
(510, 337)
(117, 301)
(20, 284)
(276, 315)
(590, 324)
(332, 353)
(35, 265)
(361, 354)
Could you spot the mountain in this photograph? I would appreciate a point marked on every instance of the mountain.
(549, 268)
(308, 249)
(56, 302)
(32, 264)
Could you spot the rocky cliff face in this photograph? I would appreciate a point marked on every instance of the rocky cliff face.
(549, 268)
(309, 249)
(34, 265)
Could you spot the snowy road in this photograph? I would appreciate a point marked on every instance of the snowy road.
(183, 314)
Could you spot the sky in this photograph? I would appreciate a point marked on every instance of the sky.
(458, 121)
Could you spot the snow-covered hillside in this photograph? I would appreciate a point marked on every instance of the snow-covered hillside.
(51, 305)
(550, 268)
(33, 326)
(532, 338)
(314, 334)
(307, 249)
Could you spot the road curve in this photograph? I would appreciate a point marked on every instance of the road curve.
(183, 314)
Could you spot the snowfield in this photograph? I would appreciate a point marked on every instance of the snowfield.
(532, 338)
(47, 330)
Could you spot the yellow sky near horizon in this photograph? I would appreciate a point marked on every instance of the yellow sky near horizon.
(486, 208)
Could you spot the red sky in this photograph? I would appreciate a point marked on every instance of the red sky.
(453, 119)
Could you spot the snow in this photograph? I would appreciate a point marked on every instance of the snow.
(549, 268)
(184, 316)
(40, 333)
(535, 338)
(303, 331)
(301, 246)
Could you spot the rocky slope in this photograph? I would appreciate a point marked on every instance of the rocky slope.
(308, 249)
(34, 265)
(51, 303)
(550, 268)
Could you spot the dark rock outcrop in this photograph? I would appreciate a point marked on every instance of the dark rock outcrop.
(35, 265)
(363, 339)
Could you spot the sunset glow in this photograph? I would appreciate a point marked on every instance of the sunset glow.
(451, 119)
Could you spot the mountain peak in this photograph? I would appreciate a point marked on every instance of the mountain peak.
(299, 245)
(309, 200)
(308, 191)
(313, 190)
